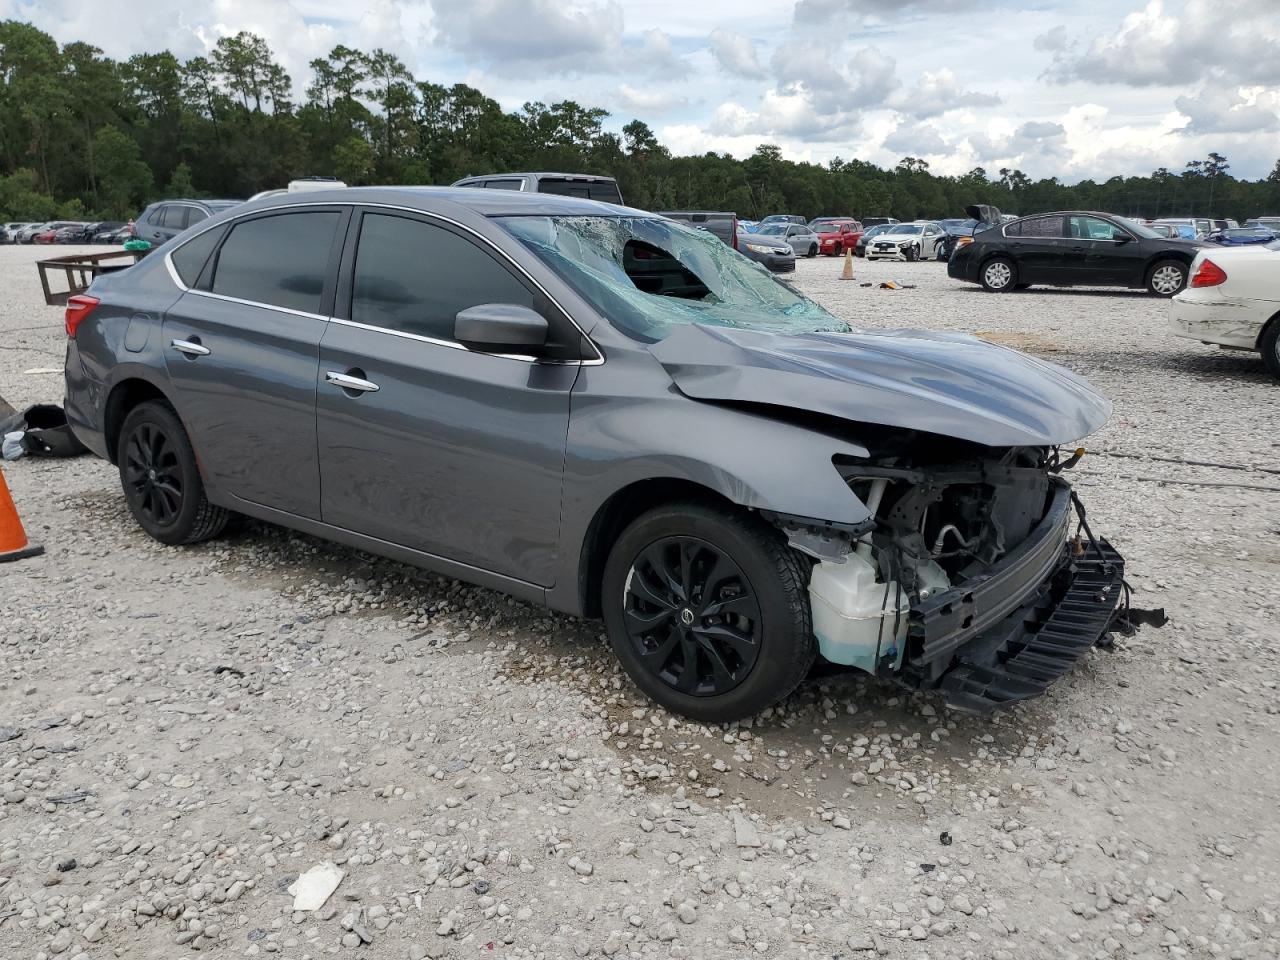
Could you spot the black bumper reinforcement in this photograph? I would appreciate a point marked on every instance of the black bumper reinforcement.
(1019, 657)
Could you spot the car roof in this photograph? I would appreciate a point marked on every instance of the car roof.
(540, 174)
(487, 203)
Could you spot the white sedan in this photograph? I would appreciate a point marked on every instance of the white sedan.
(1233, 299)
(907, 241)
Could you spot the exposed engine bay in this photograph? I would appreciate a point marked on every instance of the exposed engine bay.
(963, 539)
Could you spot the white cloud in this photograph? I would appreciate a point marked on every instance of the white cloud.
(649, 101)
(1171, 44)
(736, 54)
(916, 139)
(937, 93)
(1221, 108)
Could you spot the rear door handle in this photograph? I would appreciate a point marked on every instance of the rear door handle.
(347, 382)
(191, 348)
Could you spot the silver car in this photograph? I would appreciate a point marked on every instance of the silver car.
(612, 414)
(802, 240)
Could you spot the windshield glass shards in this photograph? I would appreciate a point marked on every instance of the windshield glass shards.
(647, 275)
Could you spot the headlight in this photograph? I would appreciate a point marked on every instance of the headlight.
(757, 248)
(905, 244)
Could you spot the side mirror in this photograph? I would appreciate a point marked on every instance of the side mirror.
(500, 328)
(1121, 237)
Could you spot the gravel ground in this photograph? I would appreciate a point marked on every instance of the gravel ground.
(185, 731)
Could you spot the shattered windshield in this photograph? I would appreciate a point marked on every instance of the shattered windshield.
(647, 275)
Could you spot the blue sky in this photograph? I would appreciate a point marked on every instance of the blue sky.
(1067, 88)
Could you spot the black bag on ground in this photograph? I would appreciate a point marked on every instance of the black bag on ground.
(45, 432)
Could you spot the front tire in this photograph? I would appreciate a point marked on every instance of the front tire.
(1167, 278)
(708, 611)
(161, 480)
(813, 251)
(999, 275)
(913, 254)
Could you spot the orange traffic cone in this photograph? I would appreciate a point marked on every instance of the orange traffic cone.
(14, 544)
(847, 274)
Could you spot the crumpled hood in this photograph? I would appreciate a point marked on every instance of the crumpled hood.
(944, 383)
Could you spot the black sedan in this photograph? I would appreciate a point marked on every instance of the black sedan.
(1074, 248)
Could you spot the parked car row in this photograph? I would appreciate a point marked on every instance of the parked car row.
(61, 231)
(66, 231)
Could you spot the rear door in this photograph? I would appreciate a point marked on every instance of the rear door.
(242, 346)
(444, 450)
(1039, 247)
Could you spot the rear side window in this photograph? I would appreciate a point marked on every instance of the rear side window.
(603, 190)
(195, 215)
(414, 277)
(503, 184)
(190, 258)
(1043, 227)
(282, 261)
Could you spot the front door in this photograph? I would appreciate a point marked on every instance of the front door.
(1109, 253)
(424, 443)
(242, 356)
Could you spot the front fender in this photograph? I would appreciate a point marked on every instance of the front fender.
(751, 460)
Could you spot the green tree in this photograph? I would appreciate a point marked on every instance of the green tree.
(125, 179)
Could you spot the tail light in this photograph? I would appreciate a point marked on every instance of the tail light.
(133, 231)
(735, 233)
(1208, 274)
(78, 307)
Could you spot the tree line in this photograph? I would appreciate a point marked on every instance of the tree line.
(86, 136)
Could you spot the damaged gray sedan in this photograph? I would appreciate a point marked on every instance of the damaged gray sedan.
(614, 415)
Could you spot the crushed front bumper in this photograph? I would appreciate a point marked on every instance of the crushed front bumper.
(1006, 636)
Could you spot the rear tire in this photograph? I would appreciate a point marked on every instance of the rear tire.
(1269, 344)
(161, 480)
(999, 275)
(708, 611)
(1167, 278)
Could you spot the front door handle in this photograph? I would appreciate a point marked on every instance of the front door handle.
(192, 348)
(347, 382)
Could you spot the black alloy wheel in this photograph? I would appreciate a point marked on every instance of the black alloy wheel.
(151, 475)
(707, 608)
(692, 616)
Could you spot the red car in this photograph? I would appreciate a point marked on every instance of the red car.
(835, 236)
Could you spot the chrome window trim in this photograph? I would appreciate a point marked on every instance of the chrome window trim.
(595, 361)
(454, 345)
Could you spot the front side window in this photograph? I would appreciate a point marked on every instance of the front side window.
(648, 275)
(414, 277)
(280, 260)
(195, 215)
(1093, 228)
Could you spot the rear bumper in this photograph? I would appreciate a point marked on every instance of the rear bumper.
(1008, 635)
(1213, 318)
